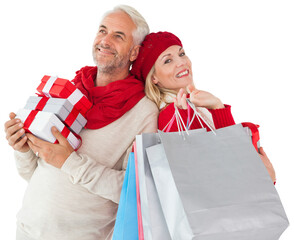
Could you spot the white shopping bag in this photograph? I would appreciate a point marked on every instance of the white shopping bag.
(153, 221)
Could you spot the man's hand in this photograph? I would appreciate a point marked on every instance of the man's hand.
(54, 154)
(15, 134)
(267, 164)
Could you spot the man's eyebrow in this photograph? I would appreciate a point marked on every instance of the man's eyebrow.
(102, 26)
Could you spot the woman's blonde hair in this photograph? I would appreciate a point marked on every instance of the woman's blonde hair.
(155, 93)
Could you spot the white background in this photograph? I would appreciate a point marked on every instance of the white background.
(242, 52)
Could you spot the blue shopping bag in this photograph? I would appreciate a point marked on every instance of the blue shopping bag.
(126, 225)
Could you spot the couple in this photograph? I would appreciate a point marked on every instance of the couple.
(74, 195)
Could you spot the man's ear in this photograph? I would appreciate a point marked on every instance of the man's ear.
(134, 53)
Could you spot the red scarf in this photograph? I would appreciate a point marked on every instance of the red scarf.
(110, 102)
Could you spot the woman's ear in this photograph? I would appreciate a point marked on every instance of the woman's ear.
(134, 53)
(154, 79)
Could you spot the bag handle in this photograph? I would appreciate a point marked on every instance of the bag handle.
(180, 123)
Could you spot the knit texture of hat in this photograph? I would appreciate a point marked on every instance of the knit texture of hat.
(152, 46)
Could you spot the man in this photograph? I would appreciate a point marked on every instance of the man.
(74, 195)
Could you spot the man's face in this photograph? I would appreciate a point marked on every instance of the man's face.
(113, 45)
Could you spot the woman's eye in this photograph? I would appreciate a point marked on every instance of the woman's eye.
(167, 61)
(182, 54)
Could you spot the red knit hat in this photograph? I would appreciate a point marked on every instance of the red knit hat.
(152, 46)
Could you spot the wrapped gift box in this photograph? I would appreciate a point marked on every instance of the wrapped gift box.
(61, 107)
(63, 88)
(40, 123)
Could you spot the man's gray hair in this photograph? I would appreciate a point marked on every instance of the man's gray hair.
(142, 27)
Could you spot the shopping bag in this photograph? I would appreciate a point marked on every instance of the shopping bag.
(225, 190)
(139, 213)
(153, 221)
(169, 197)
(126, 225)
(166, 190)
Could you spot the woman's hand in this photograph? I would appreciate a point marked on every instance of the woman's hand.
(180, 101)
(267, 164)
(204, 99)
(198, 97)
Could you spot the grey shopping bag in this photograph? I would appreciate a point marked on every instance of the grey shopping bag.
(225, 190)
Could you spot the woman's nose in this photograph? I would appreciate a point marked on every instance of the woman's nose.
(181, 61)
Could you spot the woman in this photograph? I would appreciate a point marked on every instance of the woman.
(167, 72)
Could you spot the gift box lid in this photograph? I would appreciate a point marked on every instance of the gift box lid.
(59, 87)
(41, 123)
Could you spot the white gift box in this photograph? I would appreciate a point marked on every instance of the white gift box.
(63, 109)
(40, 123)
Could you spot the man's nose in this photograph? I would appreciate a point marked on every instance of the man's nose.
(106, 40)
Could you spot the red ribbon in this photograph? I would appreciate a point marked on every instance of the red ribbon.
(65, 132)
(30, 118)
(42, 103)
(83, 105)
(72, 116)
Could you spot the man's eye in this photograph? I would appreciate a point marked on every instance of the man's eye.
(167, 61)
(118, 36)
(102, 31)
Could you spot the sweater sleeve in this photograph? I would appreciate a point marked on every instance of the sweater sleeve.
(222, 117)
(26, 163)
(97, 178)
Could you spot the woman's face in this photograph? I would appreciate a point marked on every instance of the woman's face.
(173, 69)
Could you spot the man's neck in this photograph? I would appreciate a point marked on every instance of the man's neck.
(103, 79)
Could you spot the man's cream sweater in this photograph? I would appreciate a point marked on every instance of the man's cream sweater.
(79, 201)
